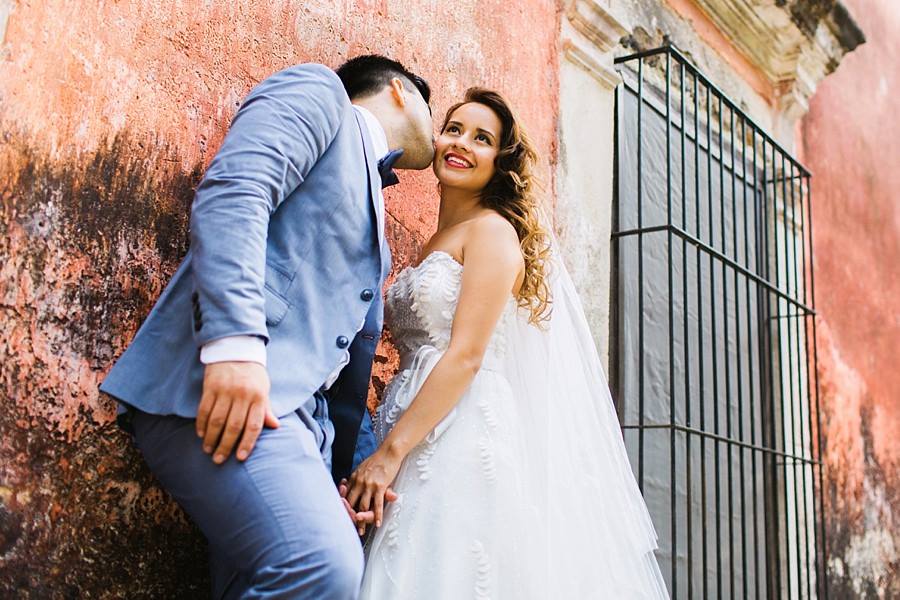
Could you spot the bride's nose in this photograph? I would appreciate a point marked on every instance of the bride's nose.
(460, 143)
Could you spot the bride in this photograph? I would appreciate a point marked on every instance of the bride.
(498, 434)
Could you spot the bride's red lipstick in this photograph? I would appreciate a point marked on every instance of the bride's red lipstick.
(455, 161)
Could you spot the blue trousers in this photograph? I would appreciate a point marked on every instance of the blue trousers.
(275, 523)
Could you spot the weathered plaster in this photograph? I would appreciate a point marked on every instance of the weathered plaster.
(851, 142)
(86, 245)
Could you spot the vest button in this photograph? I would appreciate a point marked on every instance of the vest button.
(367, 295)
(342, 341)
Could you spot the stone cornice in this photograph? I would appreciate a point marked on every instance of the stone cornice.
(794, 43)
(590, 33)
(789, 46)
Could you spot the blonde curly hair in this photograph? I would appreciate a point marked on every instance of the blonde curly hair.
(511, 192)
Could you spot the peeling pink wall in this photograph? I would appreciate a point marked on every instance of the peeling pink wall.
(108, 116)
(851, 142)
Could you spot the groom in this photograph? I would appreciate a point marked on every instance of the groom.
(246, 386)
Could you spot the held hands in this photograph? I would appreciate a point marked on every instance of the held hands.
(369, 487)
(234, 405)
(361, 520)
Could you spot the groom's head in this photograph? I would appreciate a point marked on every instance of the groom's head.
(398, 99)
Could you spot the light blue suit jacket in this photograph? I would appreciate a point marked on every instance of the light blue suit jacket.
(284, 246)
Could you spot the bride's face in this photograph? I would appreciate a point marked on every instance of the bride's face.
(467, 147)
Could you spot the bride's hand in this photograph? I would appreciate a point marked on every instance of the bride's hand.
(370, 482)
(361, 520)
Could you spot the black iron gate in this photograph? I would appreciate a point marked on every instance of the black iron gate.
(715, 361)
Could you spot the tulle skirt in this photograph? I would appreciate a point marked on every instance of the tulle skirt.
(467, 524)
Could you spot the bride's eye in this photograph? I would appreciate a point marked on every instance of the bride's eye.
(451, 129)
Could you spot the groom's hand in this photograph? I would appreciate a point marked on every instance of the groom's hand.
(234, 405)
(361, 520)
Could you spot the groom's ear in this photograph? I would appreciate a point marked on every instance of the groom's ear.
(398, 92)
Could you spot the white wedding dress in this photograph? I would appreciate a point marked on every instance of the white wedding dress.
(493, 504)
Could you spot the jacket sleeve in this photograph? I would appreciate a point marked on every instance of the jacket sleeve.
(279, 133)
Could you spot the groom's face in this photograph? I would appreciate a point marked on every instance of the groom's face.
(419, 136)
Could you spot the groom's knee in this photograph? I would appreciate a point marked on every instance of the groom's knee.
(343, 571)
(333, 571)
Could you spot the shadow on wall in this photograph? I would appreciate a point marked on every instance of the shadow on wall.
(87, 244)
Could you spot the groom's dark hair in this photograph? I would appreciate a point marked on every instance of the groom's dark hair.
(370, 73)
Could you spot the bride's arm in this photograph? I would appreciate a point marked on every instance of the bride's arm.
(493, 262)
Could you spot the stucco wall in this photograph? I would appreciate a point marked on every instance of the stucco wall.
(851, 142)
(108, 116)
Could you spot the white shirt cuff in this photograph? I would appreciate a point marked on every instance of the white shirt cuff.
(244, 348)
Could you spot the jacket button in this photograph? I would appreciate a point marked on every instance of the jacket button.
(367, 295)
(342, 341)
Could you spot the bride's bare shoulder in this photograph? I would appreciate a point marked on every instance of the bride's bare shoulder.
(490, 224)
(493, 235)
